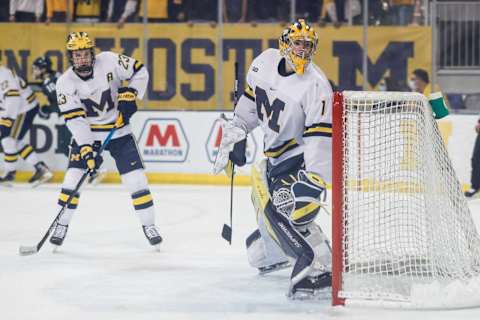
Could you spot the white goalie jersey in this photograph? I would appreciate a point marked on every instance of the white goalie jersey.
(89, 106)
(295, 112)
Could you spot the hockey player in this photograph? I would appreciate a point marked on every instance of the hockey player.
(91, 98)
(291, 99)
(18, 108)
(42, 70)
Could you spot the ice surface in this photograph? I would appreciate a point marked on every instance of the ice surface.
(107, 270)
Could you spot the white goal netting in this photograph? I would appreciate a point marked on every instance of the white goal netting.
(408, 235)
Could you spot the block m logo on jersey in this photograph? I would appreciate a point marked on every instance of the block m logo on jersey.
(163, 140)
(93, 107)
(215, 137)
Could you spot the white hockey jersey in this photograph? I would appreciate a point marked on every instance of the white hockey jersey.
(294, 111)
(16, 97)
(89, 106)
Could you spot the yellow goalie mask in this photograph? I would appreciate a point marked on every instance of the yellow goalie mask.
(80, 51)
(298, 44)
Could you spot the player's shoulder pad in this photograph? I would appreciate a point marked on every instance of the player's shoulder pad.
(106, 56)
(319, 77)
(268, 56)
(6, 73)
(264, 62)
(65, 83)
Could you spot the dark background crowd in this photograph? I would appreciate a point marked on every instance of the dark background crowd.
(338, 12)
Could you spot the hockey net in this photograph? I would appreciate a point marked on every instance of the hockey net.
(402, 230)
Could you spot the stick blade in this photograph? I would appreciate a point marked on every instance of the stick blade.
(27, 250)
(227, 233)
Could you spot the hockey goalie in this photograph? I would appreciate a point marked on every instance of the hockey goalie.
(290, 98)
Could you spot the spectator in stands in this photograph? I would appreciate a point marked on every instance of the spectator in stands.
(473, 192)
(402, 11)
(57, 10)
(328, 13)
(87, 11)
(269, 10)
(121, 11)
(200, 10)
(4, 11)
(235, 10)
(157, 11)
(420, 82)
(308, 10)
(25, 10)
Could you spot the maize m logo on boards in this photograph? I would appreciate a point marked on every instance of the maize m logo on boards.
(163, 140)
(215, 137)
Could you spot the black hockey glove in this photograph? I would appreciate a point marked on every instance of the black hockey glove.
(45, 111)
(93, 162)
(127, 104)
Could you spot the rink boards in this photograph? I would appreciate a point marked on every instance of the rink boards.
(180, 146)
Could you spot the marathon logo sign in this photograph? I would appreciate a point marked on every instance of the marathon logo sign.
(215, 137)
(163, 140)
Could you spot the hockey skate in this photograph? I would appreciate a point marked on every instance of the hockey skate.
(7, 179)
(312, 287)
(152, 235)
(274, 267)
(59, 235)
(42, 174)
(472, 194)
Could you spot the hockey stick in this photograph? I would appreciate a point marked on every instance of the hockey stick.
(28, 250)
(227, 229)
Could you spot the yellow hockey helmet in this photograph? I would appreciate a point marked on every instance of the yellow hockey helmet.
(80, 41)
(298, 44)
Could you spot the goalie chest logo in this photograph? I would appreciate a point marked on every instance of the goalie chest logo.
(215, 137)
(163, 140)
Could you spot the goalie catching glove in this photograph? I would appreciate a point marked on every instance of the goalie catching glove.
(93, 162)
(231, 134)
(127, 103)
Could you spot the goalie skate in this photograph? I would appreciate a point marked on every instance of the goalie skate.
(317, 287)
(274, 267)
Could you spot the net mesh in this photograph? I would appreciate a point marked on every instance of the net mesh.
(406, 222)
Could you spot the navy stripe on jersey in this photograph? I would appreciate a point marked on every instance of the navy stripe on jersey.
(321, 129)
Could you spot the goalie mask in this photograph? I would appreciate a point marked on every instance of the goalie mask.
(80, 51)
(298, 44)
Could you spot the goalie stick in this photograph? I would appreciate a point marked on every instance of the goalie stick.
(227, 229)
(29, 250)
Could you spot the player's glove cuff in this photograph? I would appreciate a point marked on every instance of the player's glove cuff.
(127, 103)
(45, 111)
(93, 162)
(127, 94)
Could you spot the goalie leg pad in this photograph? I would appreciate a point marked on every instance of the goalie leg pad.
(262, 248)
(309, 193)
